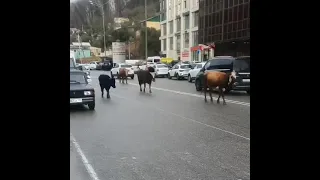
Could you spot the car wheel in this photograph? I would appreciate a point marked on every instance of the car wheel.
(177, 76)
(117, 75)
(248, 91)
(92, 105)
(169, 77)
(189, 78)
(198, 86)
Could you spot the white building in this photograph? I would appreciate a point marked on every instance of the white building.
(179, 21)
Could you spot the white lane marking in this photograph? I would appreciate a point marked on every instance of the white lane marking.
(195, 95)
(189, 119)
(85, 161)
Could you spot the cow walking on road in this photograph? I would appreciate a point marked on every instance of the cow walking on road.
(106, 81)
(220, 80)
(123, 75)
(145, 77)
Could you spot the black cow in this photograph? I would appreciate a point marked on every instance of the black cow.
(106, 81)
(144, 76)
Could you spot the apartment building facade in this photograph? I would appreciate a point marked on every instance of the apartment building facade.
(226, 24)
(179, 21)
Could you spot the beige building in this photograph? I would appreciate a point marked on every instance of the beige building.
(95, 51)
(179, 28)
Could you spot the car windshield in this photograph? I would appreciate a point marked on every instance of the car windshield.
(77, 78)
(162, 66)
(186, 66)
(156, 60)
(242, 65)
(221, 63)
(126, 66)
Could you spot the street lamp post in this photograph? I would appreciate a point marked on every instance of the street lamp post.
(146, 33)
(100, 5)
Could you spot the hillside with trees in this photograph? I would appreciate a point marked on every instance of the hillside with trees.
(88, 18)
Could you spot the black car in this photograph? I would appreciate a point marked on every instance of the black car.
(81, 92)
(228, 64)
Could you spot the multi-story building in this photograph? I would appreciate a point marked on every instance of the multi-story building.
(226, 24)
(179, 28)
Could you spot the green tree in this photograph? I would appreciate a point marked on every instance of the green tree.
(154, 44)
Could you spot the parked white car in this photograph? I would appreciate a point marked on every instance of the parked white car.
(115, 70)
(179, 71)
(193, 72)
(85, 66)
(93, 65)
(161, 70)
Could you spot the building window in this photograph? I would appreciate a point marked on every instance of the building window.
(185, 4)
(178, 24)
(164, 44)
(186, 40)
(195, 19)
(163, 16)
(186, 22)
(171, 43)
(171, 27)
(164, 29)
(195, 38)
(178, 42)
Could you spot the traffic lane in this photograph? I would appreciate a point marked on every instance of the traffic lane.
(185, 86)
(124, 139)
(234, 118)
(77, 168)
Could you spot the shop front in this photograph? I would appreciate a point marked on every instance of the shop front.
(202, 52)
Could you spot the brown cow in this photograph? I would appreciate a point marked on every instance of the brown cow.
(145, 77)
(217, 79)
(123, 75)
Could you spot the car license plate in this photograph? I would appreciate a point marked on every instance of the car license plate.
(75, 100)
(246, 80)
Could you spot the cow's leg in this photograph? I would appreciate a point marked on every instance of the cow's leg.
(140, 87)
(126, 80)
(108, 94)
(150, 88)
(144, 87)
(210, 93)
(205, 93)
(220, 91)
(222, 94)
(101, 87)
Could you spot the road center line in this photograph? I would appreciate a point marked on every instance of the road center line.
(85, 161)
(195, 95)
(185, 118)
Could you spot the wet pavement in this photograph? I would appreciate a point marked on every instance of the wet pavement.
(163, 135)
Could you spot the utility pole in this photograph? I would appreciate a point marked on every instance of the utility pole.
(146, 33)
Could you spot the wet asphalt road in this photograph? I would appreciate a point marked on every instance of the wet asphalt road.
(163, 135)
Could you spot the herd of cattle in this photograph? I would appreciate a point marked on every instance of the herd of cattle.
(210, 80)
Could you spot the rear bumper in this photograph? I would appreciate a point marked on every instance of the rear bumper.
(161, 73)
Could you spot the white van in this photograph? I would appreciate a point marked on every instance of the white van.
(153, 60)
